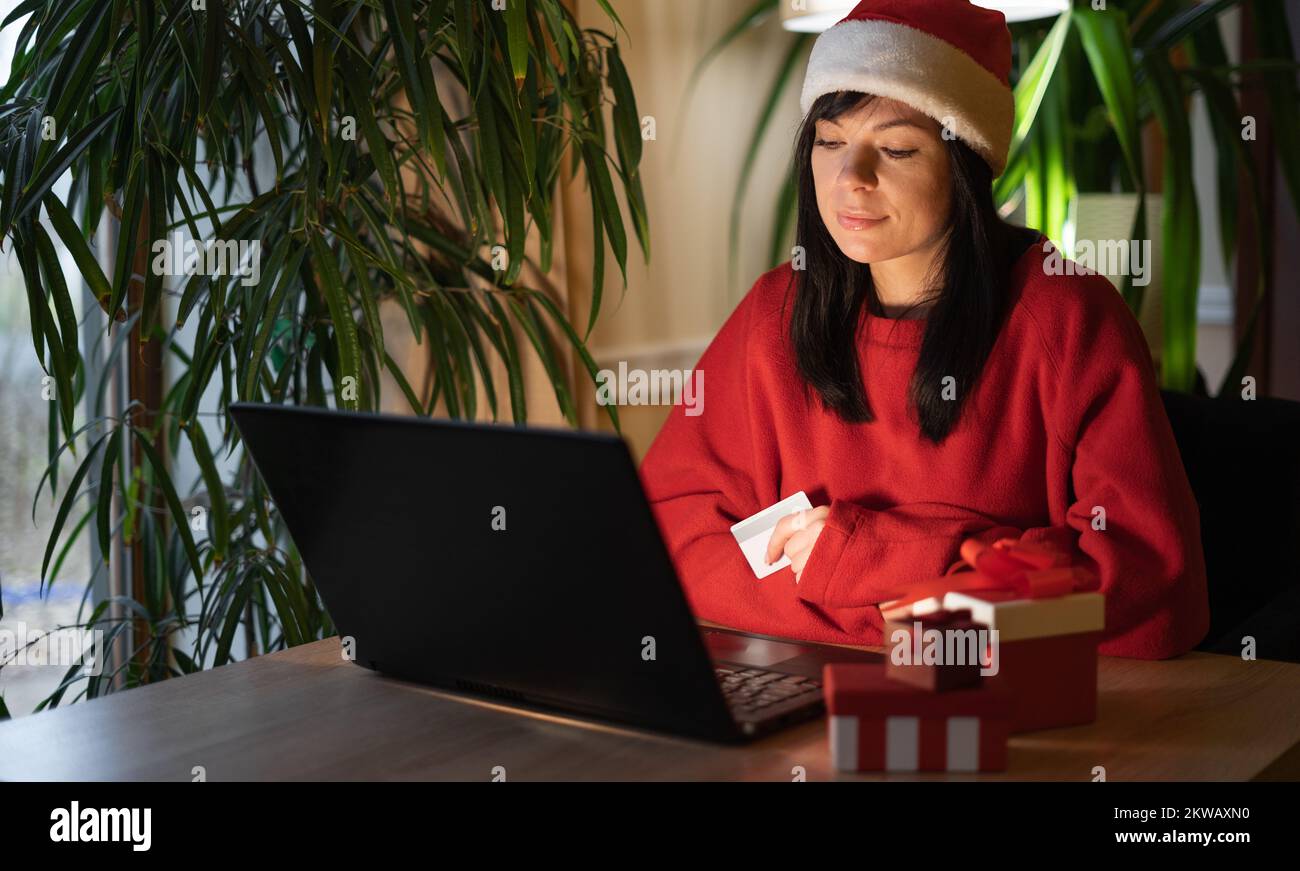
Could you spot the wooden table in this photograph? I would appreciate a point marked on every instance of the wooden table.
(306, 714)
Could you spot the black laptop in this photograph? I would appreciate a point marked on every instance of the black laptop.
(517, 563)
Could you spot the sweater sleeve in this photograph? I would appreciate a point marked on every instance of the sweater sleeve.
(699, 478)
(1131, 518)
(866, 557)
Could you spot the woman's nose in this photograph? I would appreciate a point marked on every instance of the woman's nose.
(859, 170)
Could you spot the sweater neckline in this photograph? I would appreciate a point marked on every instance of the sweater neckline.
(909, 332)
(894, 332)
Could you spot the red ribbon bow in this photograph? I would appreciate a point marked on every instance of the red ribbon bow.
(1027, 571)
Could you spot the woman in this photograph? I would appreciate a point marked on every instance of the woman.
(923, 371)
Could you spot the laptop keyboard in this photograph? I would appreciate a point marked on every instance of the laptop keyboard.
(751, 690)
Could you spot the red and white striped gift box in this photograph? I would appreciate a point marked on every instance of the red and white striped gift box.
(878, 724)
(1047, 651)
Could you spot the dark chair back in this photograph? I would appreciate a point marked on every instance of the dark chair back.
(1243, 461)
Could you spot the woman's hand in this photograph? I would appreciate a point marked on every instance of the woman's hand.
(795, 536)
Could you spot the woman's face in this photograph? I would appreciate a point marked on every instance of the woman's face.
(883, 180)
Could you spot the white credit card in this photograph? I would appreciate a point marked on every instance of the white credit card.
(753, 533)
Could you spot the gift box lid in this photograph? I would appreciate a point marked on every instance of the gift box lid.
(1019, 619)
(863, 690)
(939, 619)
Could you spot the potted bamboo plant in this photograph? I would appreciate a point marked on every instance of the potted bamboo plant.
(381, 153)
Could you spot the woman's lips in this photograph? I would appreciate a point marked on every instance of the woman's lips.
(857, 222)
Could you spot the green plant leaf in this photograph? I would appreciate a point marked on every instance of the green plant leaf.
(291, 621)
(546, 353)
(104, 511)
(1274, 34)
(517, 28)
(48, 173)
(234, 613)
(163, 481)
(1035, 80)
(1106, 44)
(217, 506)
(214, 25)
(357, 83)
(514, 364)
(29, 257)
(340, 309)
(1058, 190)
(396, 371)
(73, 239)
(754, 16)
(598, 176)
(65, 506)
(1184, 23)
(67, 316)
(1225, 124)
(1180, 230)
(789, 65)
(576, 343)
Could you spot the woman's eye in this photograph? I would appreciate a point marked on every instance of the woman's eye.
(899, 155)
(825, 143)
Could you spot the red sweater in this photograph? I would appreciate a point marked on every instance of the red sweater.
(1066, 416)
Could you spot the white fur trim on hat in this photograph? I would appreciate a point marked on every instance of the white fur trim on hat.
(930, 75)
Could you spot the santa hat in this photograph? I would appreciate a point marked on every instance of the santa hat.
(946, 58)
